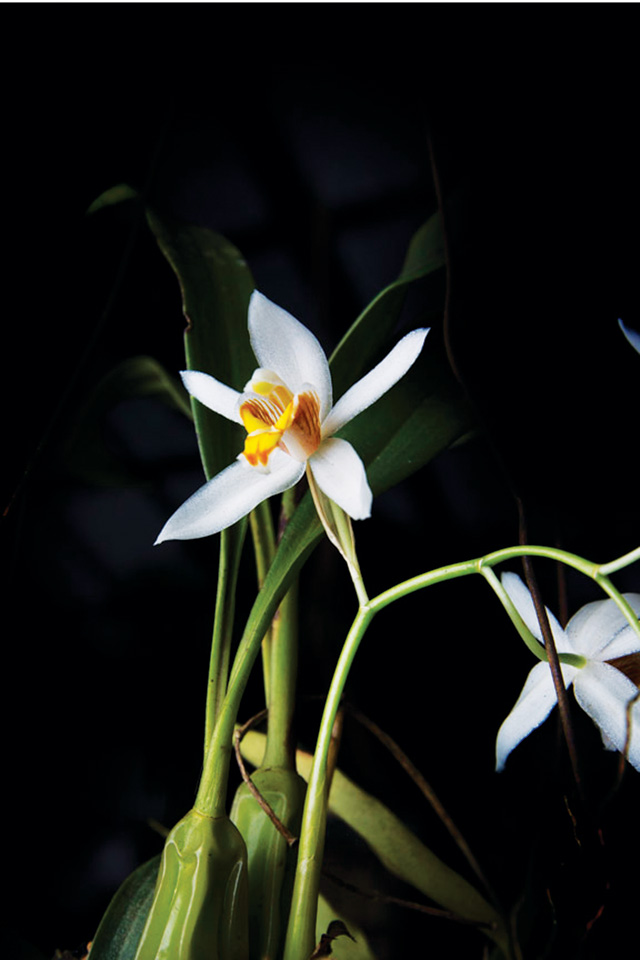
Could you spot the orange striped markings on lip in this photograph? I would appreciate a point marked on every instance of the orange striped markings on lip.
(270, 411)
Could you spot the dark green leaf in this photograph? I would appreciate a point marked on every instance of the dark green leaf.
(113, 196)
(122, 925)
(364, 340)
(216, 285)
(424, 414)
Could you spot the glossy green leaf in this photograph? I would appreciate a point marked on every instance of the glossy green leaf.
(216, 285)
(402, 853)
(121, 927)
(364, 340)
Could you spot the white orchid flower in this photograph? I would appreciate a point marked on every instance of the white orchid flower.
(286, 409)
(599, 633)
(632, 335)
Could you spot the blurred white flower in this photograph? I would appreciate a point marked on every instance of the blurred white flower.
(599, 633)
(286, 409)
(632, 336)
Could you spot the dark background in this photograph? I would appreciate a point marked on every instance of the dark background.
(302, 134)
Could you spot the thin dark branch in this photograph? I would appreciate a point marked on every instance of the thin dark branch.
(552, 653)
(376, 895)
(426, 790)
(237, 737)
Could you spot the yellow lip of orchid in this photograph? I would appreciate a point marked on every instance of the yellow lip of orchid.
(287, 410)
(273, 417)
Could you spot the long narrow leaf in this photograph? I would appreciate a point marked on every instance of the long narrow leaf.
(216, 285)
(121, 927)
(367, 336)
(401, 852)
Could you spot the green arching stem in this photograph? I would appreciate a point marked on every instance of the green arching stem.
(211, 797)
(625, 561)
(623, 604)
(301, 930)
(302, 916)
(534, 645)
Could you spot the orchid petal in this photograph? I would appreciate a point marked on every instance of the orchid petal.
(228, 497)
(375, 383)
(532, 707)
(632, 336)
(601, 631)
(213, 394)
(604, 693)
(340, 474)
(281, 343)
(523, 603)
(624, 644)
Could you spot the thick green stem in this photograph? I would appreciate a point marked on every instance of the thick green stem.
(264, 547)
(211, 797)
(280, 750)
(231, 542)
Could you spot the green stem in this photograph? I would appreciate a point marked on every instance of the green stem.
(280, 749)
(622, 604)
(211, 796)
(625, 561)
(282, 665)
(534, 645)
(231, 542)
(264, 547)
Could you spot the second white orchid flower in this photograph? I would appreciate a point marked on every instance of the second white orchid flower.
(288, 413)
(632, 335)
(599, 633)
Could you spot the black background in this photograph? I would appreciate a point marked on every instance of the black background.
(301, 133)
